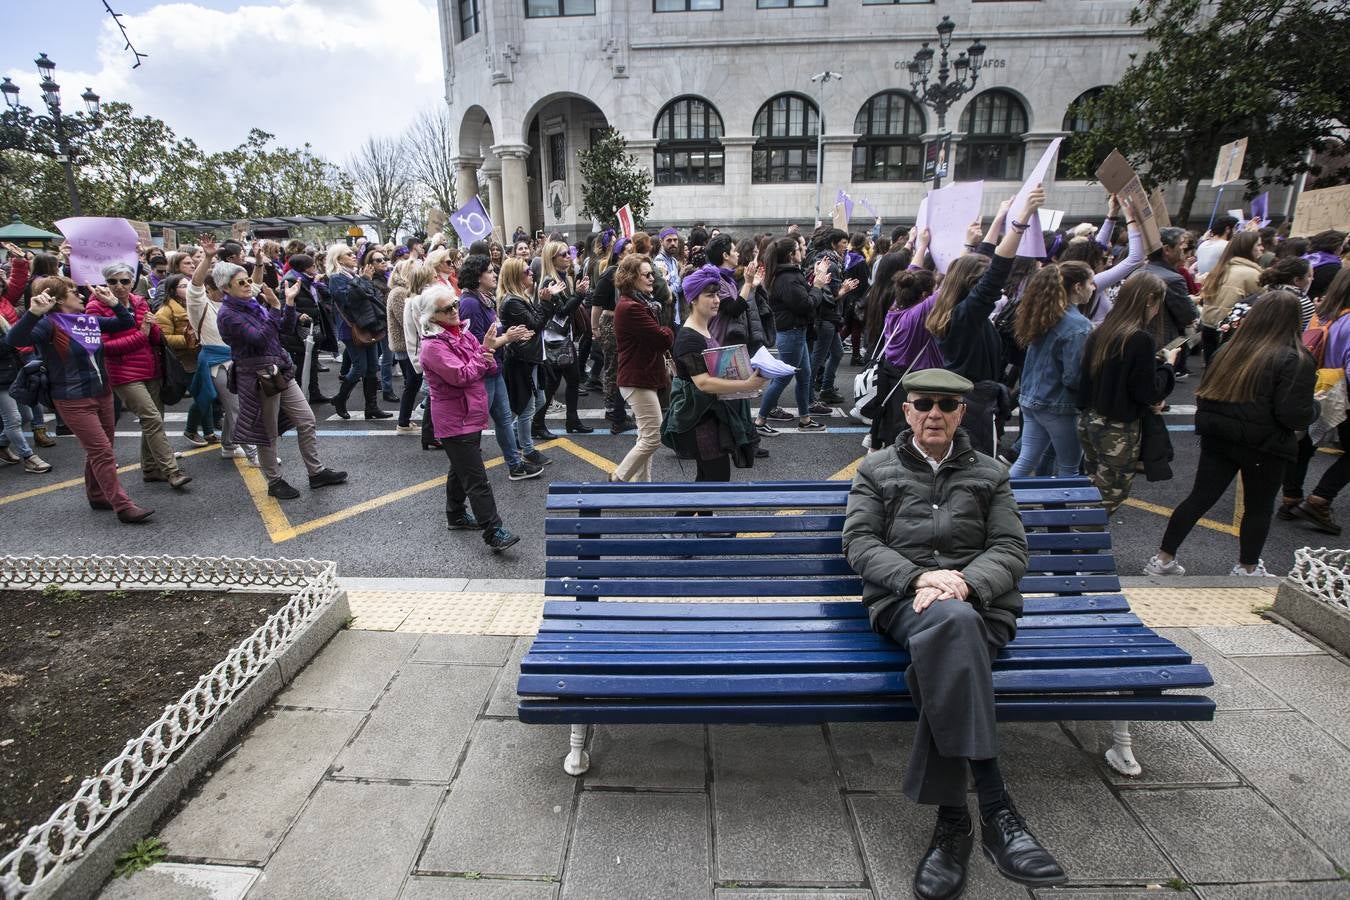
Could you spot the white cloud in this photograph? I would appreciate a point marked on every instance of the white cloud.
(304, 70)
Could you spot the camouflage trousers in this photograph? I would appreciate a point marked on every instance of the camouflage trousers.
(610, 373)
(1110, 454)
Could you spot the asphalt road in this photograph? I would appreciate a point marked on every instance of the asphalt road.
(389, 519)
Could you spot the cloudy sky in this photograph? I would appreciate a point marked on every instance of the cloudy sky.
(305, 70)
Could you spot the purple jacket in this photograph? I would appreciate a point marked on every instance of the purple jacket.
(907, 338)
(478, 314)
(454, 366)
(252, 330)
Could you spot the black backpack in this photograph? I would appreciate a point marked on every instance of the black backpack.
(1014, 355)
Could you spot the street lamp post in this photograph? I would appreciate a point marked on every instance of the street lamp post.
(49, 135)
(821, 79)
(948, 88)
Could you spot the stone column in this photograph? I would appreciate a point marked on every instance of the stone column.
(837, 171)
(515, 188)
(466, 178)
(495, 202)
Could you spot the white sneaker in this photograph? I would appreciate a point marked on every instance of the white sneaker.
(251, 454)
(232, 453)
(1258, 572)
(556, 409)
(1158, 567)
(408, 429)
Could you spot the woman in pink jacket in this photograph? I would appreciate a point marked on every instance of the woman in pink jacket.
(133, 368)
(454, 365)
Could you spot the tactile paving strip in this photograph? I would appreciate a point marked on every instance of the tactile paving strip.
(450, 612)
(1192, 607)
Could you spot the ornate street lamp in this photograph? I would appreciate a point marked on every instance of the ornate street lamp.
(50, 135)
(954, 79)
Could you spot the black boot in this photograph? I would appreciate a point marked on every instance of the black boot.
(539, 427)
(941, 874)
(343, 395)
(370, 386)
(1014, 850)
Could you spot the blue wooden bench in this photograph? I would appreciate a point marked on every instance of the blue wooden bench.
(672, 649)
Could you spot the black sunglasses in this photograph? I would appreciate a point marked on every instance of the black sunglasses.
(946, 404)
(119, 281)
(378, 259)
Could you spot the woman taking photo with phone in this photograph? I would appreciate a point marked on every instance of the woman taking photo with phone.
(1257, 391)
(70, 343)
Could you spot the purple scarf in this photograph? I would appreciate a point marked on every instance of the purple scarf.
(1322, 258)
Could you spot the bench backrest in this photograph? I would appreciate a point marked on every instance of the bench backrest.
(628, 540)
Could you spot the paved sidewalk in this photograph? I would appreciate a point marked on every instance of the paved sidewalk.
(394, 767)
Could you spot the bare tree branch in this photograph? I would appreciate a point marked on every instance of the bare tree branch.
(384, 182)
(430, 152)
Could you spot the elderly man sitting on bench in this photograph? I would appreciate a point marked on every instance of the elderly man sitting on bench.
(932, 528)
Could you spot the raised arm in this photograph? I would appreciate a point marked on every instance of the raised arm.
(1121, 270)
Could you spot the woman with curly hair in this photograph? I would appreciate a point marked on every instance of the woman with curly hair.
(1053, 331)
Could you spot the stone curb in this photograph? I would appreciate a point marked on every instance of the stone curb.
(85, 876)
(1329, 624)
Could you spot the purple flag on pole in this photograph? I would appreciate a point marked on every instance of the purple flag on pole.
(1260, 206)
(471, 221)
(95, 242)
(844, 198)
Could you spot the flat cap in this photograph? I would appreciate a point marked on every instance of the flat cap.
(936, 381)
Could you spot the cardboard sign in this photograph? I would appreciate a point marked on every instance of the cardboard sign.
(1118, 177)
(1158, 201)
(239, 230)
(1320, 211)
(142, 231)
(950, 212)
(839, 217)
(95, 242)
(1229, 166)
(436, 220)
(170, 238)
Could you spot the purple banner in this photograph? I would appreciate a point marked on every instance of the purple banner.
(471, 222)
(83, 329)
(844, 198)
(95, 242)
(1260, 208)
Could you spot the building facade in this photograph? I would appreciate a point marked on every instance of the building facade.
(716, 97)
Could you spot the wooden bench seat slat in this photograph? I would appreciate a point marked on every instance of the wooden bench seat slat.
(579, 660)
(1036, 636)
(786, 496)
(1059, 708)
(754, 644)
(787, 587)
(1015, 681)
(742, 626)
(829, 609)
(777, 545)
(674, 565)
(833, 523)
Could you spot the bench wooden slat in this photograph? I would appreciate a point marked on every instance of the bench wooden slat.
(634, 487)
(1038, 542)
(831, 523)
(579, 660)
(1034, 637)
(829, 609)
(675, 566)
(784, 497)
(770, 626)
(1016, 681)
(788, 587)
(1089, 708)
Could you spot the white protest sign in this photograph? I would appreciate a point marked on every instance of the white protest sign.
(950, 212)
(1033, 240)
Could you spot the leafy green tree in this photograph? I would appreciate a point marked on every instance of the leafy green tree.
(612, 177)
(135, 165)
(1217, 70)
(33, 188)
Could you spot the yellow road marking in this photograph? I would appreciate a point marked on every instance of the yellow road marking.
(73, 482)
(280, 529)
(1167, 512)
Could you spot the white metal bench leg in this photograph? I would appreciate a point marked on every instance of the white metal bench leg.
(1121, 755)
(578, 760)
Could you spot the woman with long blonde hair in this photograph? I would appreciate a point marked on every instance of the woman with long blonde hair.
(1237, 275)
(410, 278)
(1053, 331)
(522, 359)
(1256, 394)
(559, 298)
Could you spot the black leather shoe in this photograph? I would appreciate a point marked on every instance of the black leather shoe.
(541, 433)
(621, 427)
(941, 874)
(579, 427)
(1016, 853)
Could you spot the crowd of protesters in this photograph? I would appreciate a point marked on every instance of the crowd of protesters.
(1084, 346)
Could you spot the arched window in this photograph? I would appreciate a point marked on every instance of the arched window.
(992, 147)
(688, 143)
(891, 146)
(786, 128)
(1076, 121)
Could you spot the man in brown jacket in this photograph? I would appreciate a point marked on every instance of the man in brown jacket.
(932, 528)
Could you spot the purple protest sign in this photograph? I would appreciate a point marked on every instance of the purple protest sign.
(95, 242)
(471, 221)
(844, 198)
(871, 210)
(950, 212)
(1033, 241)
(1261, 206)
(81, 328)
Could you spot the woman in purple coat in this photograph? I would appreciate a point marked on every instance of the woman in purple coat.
(259, 366)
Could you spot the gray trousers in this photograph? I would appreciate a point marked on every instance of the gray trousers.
(229, 403)
(292, 400)
(950, 678)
